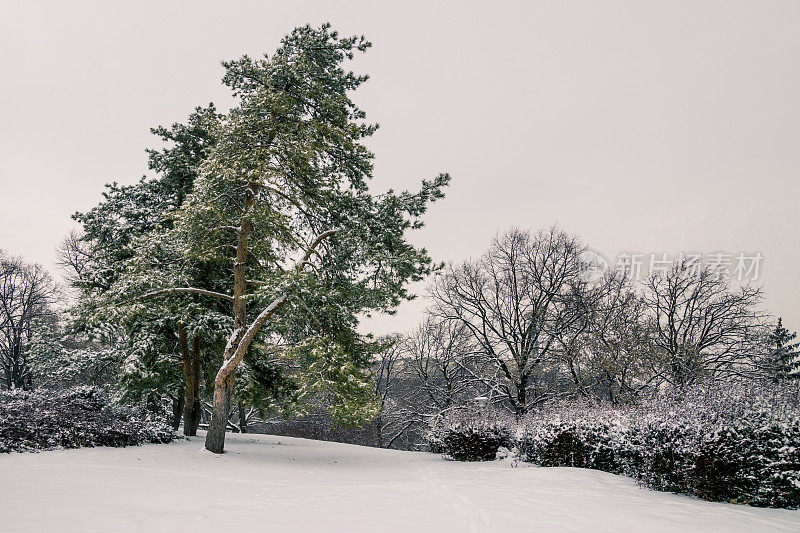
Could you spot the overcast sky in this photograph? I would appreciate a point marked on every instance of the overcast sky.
(650, 127)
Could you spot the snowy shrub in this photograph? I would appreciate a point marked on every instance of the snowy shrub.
(751, 461)
(470, 436)
(736, 444)
(46, 419)
(659, 452)
(570, 441)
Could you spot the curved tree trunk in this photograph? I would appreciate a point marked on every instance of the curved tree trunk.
(223, 389)
(223, 383)
(242, 334)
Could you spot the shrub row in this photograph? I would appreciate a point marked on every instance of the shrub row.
(45, 420)
(751, 458)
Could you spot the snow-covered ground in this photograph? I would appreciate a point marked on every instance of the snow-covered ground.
(266, 483)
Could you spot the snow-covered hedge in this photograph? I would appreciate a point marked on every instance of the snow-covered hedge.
(466, 437)
(563, 440)
(733, 445)
(46, 419)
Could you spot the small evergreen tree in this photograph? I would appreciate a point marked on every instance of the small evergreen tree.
(784, 355)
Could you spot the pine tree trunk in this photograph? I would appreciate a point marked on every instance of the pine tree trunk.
(223, 389)
(223, 383)
(192, 413)
(193, 409)
(197, 409)
(177, 408)
(242, 336)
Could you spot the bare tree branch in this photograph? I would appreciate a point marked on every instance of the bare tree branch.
(189, 290)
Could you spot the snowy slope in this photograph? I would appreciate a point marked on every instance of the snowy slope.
(266, 483)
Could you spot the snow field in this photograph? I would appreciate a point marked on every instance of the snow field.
(269, 483)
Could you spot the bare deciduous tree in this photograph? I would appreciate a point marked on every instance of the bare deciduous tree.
(421, 375)
(517, 301)
(73, 255)
(704, 327)
(622, 355)
(393, 422)
(437, 355)
(27, 294)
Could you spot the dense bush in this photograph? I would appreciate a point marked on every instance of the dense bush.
(465, 437)
(566, 440)
(754, 461)
(44, 420)
(735, 445)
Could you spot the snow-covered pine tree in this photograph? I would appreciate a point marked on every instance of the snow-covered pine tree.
(124, 249)
(283, 198)
(783, 361)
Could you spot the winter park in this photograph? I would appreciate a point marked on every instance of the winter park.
(524, 266)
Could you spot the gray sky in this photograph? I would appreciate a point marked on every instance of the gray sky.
(642, 126)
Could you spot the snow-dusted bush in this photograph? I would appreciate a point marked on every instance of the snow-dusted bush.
(754, 461)
(45, 419)
(737, 443)
(572, 436)
(470, 435)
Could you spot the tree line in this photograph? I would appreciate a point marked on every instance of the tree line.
(523, 326)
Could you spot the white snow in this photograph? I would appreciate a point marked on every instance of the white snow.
(283, 484)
